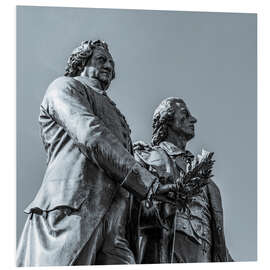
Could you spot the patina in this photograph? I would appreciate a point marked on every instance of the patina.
(80, 212)
(169, 233)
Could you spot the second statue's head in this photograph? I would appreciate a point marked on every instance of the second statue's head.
(172, 115)
(92, 59)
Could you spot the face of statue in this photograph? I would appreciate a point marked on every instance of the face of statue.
(100, 66)
(183, 123)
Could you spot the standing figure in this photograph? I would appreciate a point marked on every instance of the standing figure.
(79, 214)
(166, 233)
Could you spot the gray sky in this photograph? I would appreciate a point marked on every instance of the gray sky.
(208, 59)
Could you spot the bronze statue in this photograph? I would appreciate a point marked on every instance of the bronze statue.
(79, 214)
(189, 232)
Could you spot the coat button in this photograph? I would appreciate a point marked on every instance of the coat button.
(184, 227)
(219, 228)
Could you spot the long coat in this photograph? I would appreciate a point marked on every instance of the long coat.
(158, 160)
(88, 146)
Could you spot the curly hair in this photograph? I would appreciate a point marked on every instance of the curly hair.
(162, 115)
(80, 55)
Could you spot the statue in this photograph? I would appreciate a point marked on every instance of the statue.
(191, 231)
(79, 214)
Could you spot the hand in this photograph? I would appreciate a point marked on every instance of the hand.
(164, 189)
(160, 192)
(166, 193)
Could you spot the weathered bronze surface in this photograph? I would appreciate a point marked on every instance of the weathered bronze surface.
(98, 204)
(79, 214)
(166, 233)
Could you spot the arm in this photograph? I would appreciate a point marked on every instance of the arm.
(221, 252)
(69, 106)
(153, 215)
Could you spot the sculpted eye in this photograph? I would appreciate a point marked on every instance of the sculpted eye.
(101, 59)
(185, 112)
(112, 63)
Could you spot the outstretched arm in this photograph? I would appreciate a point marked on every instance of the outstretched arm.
(69, 106)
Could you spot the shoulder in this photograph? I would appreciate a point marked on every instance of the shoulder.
(148, 154)
(213, 187)
(215, 196)
(63, 86)
(63, 82)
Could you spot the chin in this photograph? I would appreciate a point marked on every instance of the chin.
(104, 79)
(190, 136)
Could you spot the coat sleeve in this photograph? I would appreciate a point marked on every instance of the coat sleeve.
(221, 252)
(69, 106)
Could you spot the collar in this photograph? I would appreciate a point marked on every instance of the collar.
(92, 83)
(173, 150)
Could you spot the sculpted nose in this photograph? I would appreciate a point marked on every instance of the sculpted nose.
(108, 65)
(193, 120)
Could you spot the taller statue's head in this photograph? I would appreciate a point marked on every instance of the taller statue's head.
(172, 113)
(92, 59)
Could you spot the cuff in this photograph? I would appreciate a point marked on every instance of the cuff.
(139, 181)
